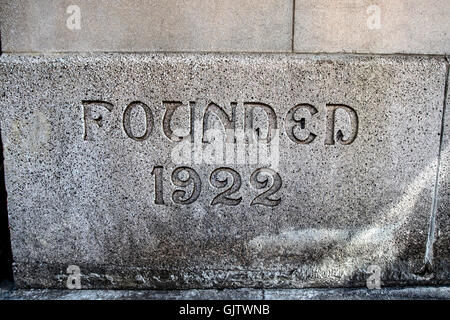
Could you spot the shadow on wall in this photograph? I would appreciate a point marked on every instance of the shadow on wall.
(6, 275)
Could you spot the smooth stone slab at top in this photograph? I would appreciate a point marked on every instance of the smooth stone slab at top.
(81, 190)
(130, 26)
(382, 26)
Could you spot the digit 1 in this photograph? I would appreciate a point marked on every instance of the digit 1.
(158, 173)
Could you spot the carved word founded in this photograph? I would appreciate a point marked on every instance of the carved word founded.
(96, 113)
(220, 178)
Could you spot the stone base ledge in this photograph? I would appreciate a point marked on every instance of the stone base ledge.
(405, 293)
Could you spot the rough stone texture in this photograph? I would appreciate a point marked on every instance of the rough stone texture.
(407, 26)
(141, 25)
(408, 293)
(55, 294)
(91, 202)
(441, 248)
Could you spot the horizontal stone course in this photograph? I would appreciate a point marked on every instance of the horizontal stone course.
(381, 26)
(135, 26)
(98, 175)
(403, 293)
(368, 26)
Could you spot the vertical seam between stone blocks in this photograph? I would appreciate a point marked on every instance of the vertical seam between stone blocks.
(293, 26)
(432, 226)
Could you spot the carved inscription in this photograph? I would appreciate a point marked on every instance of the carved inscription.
(92, 119)
(292, 122)
(127, 120)
(331, 115)
(256, 125)
(179, 196)
(234, 186)
(228, 122)
(249, 118)
(260, 181)
(171, 107)
(220, 178)
(158, 173)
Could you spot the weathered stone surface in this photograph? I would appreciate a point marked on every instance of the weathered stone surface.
(408, 293)
(140, 25)
(82, 169)
(381, 26)
(441, 247)
(193, 294)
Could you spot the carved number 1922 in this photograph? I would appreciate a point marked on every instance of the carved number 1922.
(220, 178)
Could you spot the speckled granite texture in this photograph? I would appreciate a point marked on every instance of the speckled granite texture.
(405, 293)
(92, 179)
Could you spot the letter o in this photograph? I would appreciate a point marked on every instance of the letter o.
(148, 120)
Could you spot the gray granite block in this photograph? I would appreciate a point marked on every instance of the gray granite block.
(109, 168)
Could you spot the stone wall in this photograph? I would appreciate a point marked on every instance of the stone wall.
(225, 144)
